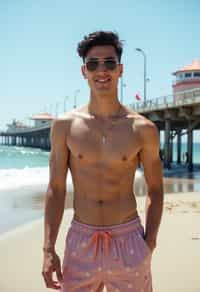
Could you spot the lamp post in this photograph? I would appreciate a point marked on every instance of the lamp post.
(65, 100)
(145, 72)
(57, 106)
(122, 85)
(75, 96)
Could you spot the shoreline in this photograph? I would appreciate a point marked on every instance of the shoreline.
(34, 208)
(174, 198)
(25, 204)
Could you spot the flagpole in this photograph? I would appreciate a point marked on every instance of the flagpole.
(145, 72)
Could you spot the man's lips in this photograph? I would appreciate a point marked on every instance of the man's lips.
(102, 80)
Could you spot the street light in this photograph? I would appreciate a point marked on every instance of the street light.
(145, 72)
(75, 96)
(65, 100)
(122, 85)
(57, 106)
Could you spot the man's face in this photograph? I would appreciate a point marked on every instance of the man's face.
(102, 69)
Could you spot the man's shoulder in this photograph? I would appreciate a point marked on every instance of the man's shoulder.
(72, 114)
(64, 120)
(139, 120)
(143, 126)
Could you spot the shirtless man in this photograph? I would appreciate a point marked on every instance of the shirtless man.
(102, 144)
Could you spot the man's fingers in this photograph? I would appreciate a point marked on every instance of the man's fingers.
(51, 265)
(56, 285)
(49, 281)
(59, 274)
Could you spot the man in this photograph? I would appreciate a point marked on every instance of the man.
(102, 144)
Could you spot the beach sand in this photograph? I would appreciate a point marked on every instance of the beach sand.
(175, 262)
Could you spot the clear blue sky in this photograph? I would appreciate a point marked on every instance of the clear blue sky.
(39, 65)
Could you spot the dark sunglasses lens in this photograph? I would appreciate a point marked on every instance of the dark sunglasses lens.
(92, 65)
(110, 64)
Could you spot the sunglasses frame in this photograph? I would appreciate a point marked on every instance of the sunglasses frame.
(105, 63)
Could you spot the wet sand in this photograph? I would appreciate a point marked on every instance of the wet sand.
(178, 185)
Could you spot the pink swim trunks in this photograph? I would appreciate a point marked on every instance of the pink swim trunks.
(115, 257)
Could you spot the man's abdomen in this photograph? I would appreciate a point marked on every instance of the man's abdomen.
(105, 212)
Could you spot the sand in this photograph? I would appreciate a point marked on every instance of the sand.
(175, 262)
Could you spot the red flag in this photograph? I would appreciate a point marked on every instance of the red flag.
(137, 96)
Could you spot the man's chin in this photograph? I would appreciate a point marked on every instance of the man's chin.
(103, 89)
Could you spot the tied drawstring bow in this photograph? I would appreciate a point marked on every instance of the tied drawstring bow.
(106, 237)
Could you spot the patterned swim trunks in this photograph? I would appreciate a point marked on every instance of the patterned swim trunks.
(116, 257)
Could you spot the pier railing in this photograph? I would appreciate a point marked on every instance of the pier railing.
(25, 130)
(168, 101)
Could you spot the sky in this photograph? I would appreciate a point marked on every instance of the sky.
(39, 64)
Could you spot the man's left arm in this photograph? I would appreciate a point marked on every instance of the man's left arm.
(150, 159)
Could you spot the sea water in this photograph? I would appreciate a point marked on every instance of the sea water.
(24, 175)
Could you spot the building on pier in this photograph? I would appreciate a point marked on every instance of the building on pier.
(37, 136)
(42, 119)
(16, 126)
(187, 78)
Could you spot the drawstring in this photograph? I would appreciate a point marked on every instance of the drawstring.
(106, 237)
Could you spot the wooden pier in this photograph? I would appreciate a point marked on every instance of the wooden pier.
(176, 117)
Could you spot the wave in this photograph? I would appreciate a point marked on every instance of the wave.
(8, 150)
(20, 157)
(28, 176)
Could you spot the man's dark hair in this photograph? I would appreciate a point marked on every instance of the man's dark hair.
(100, 38)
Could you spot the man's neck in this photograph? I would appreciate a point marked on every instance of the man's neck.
(104, 107)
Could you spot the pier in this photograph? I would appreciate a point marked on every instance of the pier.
(175, 115)
(36, 137)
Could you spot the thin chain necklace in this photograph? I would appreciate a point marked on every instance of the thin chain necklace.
(113, 122)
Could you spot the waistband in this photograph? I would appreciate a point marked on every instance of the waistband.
(114, 229)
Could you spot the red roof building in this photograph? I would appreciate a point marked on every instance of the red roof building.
(187, 78)
(42, 119)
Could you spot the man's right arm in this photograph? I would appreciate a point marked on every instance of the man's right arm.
(55, 200)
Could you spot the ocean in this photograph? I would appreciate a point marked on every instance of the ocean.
(24, 175)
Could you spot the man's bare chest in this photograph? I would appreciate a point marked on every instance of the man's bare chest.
(110, 142)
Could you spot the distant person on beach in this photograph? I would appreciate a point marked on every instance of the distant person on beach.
(102, 144)
(186, 157)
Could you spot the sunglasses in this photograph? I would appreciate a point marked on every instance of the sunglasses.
(109, 64)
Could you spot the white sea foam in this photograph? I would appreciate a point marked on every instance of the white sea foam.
(34, 176)
(16, 178)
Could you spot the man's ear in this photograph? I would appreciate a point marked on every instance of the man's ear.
(83, 70)
(121, 68)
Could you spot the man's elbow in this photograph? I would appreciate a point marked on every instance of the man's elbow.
(155, 194)
(55, 190)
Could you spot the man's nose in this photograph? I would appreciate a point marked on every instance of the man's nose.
(101, 67)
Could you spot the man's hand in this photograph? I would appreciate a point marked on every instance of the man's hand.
(52, 264)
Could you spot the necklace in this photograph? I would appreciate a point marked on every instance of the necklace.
(113, 120)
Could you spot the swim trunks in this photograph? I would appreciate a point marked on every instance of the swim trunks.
(116, 257)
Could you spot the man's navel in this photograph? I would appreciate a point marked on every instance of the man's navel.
(124, 158)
